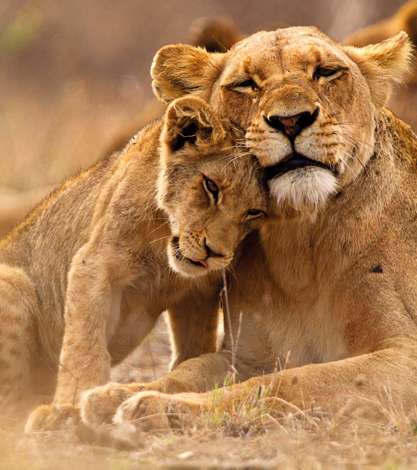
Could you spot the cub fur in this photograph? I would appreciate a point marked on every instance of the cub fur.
(86, 276)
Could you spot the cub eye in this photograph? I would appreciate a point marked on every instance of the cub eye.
(245, 86)
(328, 72)
(211, 189)
(252, 214)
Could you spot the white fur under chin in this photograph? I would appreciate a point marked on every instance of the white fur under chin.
(308, 188)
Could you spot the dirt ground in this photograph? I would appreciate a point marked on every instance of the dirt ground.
(306, 440)
(73, 75)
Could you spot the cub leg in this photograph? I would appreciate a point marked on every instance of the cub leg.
(84, 359)
(193, 325)
(17, 337)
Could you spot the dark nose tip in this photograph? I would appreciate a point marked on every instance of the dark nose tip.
(291, 126)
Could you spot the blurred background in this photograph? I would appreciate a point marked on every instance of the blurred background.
(75, 73)
(74, 76)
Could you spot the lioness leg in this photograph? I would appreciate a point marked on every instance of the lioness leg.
(392, 368)
(17, 335)
(326, 386)
(193, 325)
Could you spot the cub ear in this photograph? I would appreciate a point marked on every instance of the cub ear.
(181, 69)
(383, 64)
(190, 119)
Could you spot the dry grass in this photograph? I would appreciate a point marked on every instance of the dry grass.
(371, 436)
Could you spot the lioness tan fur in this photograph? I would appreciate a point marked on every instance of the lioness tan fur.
(93, 267)
(404, 99)
(324, 299)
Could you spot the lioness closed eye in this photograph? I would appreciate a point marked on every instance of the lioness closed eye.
(117, 232)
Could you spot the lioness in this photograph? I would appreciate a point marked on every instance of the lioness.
(129, 238)
(328, 287)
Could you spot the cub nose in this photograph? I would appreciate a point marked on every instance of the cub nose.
(291, 126)
(211, 252)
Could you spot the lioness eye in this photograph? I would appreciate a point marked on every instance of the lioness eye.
(254, 214)
(211, 189)
(327, 72)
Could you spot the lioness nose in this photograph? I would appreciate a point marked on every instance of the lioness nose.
(291, 126)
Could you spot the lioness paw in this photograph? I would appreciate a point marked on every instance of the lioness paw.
(52, 418)
(147, 411)
(158, 412)
(99, 404)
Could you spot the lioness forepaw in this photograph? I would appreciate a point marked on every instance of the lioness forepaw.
(147, 411)
(99, 404)
(157, 412)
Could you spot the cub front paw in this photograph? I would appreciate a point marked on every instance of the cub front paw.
(99, 404)
(52, 418)
(158, 412)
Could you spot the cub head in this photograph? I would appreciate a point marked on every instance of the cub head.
(309, 106)
(210, 188)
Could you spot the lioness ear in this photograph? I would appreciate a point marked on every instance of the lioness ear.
(190, 119)
(181, 69)
(383, 64)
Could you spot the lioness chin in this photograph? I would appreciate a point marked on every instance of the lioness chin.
(327, 291)
(86, 276)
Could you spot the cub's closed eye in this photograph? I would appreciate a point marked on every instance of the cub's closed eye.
(245, 86)
(249, 83)
(328, 72)
(252, 214)
(211, 189)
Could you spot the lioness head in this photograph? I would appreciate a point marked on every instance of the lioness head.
(309, 105)
(211, 191)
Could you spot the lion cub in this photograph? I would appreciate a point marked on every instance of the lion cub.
(86, 276)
